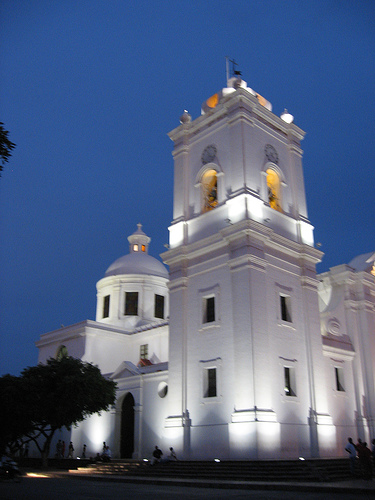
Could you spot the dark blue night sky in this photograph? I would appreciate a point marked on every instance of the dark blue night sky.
(89, 90)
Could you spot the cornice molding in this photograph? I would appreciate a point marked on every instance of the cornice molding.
(346, 354)
(359, 305)
(228, 105)
(247, 262)
(178, 284)
(266, 237)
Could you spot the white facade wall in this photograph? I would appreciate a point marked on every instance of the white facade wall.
(347, 304)
(105, 347)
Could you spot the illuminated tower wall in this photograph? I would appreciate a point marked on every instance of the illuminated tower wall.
(246, 369)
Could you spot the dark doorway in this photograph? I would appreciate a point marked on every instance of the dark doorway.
(127, 427)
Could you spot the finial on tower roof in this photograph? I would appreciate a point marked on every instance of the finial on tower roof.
(185, 117)
(234, 71)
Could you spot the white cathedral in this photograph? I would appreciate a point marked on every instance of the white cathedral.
(239, 350)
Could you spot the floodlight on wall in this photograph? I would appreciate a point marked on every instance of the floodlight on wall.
(287, 117)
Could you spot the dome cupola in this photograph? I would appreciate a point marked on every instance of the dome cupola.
(134, 289)
(138, 241)
(138, 261)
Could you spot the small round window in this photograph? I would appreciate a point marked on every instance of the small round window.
(162, 390)
(62, 352)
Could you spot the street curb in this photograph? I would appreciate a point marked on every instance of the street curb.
(369, 486)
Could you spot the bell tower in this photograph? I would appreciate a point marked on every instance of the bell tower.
(245, 348)
(243, 160)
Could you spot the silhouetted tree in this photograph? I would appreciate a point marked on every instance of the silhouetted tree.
(57, 394)
(6, 146)
(15, 422)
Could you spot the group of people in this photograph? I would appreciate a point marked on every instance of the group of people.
(105, 456)
(364, 455)
(158, 454)
(60, 449)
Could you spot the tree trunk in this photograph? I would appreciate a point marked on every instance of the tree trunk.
(45, 450)
(45, 458)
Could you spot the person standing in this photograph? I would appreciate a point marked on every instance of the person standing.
(351, 449)
(62, 450)
(84, 451)
(364, 455)
(71, 449)
(58, 449)
(172, 455)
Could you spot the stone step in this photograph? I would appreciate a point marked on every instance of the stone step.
(308, 470)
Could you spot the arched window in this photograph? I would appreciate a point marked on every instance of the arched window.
(209, 190)
(274, 189)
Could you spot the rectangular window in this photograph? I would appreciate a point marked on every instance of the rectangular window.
(131, 303)
(286, 309)
(209, 310)
(106, 306)
(289, 381)
(210, 383)
(143, 351)
(339, 376)
(159, 306)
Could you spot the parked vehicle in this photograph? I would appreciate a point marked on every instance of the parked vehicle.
(9, 469)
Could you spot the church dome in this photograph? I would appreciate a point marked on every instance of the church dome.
(137, 264)
(364, 262)
(137, 261)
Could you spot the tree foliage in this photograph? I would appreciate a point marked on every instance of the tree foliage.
(6, 146)
(14, 421)
(50, 396)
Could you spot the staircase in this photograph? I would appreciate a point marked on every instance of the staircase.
(315, 470)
